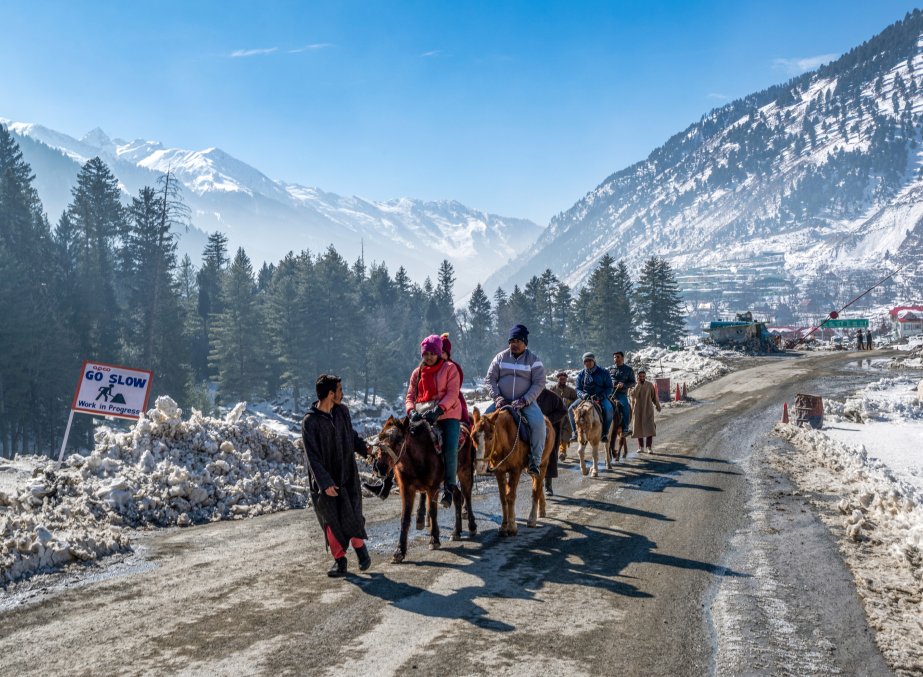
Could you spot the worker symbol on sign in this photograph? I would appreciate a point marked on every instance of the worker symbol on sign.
(106, 392)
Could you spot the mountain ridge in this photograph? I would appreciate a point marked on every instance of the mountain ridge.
(825, 169)
(227, 194)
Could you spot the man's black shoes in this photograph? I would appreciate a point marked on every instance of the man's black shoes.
(338, 570)
(365, 559)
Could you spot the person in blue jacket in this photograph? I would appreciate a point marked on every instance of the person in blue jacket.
(623, 380)
(593, 383)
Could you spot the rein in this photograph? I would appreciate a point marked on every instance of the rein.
(395, 458)
(515, 442)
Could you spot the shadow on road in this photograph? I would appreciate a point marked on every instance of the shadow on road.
(560, 553)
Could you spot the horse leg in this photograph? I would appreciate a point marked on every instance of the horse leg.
(538, 486)
(421, 513)
(501, 486)
(595, 470)
(580, 450)
(407, 498)
(511, 500)
(466, 482)
(434, 541)
(457, 501)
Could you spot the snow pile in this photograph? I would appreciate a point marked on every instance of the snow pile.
(693, 366)
(164, 472)
(893, 400)
(879, 516)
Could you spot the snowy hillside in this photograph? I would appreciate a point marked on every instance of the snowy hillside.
(824, 172)
(269, 218)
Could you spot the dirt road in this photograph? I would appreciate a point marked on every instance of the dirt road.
(699, 559)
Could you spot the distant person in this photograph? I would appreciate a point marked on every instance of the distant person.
(623, 380)
(433, 396)
(643, 402)
(568, 395)
(868, 339)
(555, 411)
(515, 378)
(330, 445)
(593, 383)
(859, 340)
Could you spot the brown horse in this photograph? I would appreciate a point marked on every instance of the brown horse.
(506, 456)
(618, 444)
(417, 467)
(465, 475)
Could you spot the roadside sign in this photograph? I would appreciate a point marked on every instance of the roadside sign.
(847, 324)
(109, 390)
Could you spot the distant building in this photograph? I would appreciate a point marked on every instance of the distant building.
(907, 321)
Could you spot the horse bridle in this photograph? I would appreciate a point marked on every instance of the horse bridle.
(490, 466)
(389, 450)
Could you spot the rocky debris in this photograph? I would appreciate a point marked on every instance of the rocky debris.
(163, 472)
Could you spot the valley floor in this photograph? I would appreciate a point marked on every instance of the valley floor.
(701, 558)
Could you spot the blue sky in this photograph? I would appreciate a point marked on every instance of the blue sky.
(518, 108)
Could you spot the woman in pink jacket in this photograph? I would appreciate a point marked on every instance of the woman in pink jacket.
(432, 395)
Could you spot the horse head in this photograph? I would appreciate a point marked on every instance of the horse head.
(391, 442)
(483, 431)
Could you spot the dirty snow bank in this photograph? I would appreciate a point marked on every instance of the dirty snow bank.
(164, 472)
(878, 519)
(693, 366)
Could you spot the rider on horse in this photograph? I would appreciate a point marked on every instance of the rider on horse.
(515, 378)
(433, 396)
(623, 379)
(593, 383)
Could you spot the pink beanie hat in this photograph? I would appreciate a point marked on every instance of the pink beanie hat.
(431, 344)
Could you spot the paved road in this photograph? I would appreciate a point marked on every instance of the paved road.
(700, 559)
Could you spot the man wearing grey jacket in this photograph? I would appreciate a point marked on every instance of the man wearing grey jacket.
(515, 378)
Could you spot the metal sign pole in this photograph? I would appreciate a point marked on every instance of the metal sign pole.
(67, 432)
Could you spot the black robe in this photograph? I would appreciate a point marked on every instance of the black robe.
(330, 444)
(554, 410)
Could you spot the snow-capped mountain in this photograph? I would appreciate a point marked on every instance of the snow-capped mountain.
(269, 218)
(823, 173)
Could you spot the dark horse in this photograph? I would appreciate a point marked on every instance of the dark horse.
(410, 454)
(618, 446)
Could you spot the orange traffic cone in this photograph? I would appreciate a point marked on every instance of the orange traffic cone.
(685, 393)
(677, 392)
(785, 412)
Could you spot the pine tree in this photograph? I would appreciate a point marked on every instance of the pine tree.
(209, 281)
(35, 362)
(153, 305)
(479, 344)
(98, 218)
(237, 345)
(660, 309)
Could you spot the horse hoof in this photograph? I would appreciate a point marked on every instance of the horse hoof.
(472, 531)
(456, 537)
(435, 545)
(503, 532)
(420, 526)
(398, 557)
(532, 525)
(562, 457)
(594, 473)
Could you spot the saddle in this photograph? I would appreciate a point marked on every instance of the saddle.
(525, 433)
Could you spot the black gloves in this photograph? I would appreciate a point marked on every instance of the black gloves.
(415, 416)
(433, 415)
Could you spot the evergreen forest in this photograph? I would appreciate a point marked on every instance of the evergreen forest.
(106, 284)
